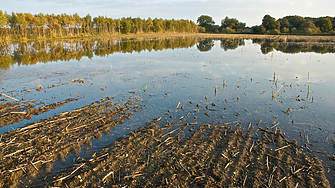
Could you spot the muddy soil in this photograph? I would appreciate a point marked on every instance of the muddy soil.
(31, 150)
(213, 156)
(12, 112)
(159, 154)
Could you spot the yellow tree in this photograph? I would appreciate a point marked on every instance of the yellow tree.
(40, 22)
(3, 23)
(79, 22)
(149, 23)
(3, 19)
(30, 21)
(22, 23)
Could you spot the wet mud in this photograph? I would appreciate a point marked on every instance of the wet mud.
(12, 112)
(31, 150)
(213, 156)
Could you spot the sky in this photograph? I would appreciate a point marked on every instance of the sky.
(250, 12)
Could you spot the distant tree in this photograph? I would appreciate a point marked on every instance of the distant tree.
(150, 24)
(12, 21)
(333, 22)
(79, 22)
(118, 25)
(227, 30)
(40, 22)
(258, 29)
(240, 27)
(309, 28)
(201, 29)
(283, 23)
(274, 32)
(3, 19)
(168, 24)
(125, 25)
(324, 24)
(285, 30)
(87, 22)
(22, 22)
(229, 22)
(157, 25)
(232, 23)
(295, 21)
(206, 22)
(270, 23)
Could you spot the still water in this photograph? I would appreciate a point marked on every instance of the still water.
(236, 79)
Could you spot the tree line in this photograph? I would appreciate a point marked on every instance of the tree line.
(270, 25)
(27, 25)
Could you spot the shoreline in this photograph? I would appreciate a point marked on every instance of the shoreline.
(144, 36)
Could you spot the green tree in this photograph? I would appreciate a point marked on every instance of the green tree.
(284, 25)
(232, 23)
(270, 23)
(118, 25)
(309, 28)
(206, 21)
(258, 29)
(229, 22)
(87, 23)
(324, 24)
(295, 21)
(125, 25)
(333, 22)
(157, 25)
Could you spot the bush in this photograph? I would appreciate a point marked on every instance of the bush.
(247, 31)
(228, 30)
(309, 28)
(201, 29)
(274, 32)
(258, 29)
(294, 30)
(284, 30)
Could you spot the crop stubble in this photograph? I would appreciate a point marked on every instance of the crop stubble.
(213, 156)
(31, 150)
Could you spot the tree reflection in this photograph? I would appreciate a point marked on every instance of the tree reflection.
(296, 47)
(205, 45)
(231, 44)
(29, 53)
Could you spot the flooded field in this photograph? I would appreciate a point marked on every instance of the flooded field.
(179, 112)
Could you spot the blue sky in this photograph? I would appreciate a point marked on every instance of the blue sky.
(249, 11)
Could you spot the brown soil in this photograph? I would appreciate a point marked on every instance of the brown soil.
(31, 150)
(213, 156)
(12, 112)
(152, 156)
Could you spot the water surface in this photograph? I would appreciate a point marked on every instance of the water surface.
(181, 70)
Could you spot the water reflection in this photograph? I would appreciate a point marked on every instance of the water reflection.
(171, 77)
(30, 53)
(231, 44)
(205, 45)
(293, 48)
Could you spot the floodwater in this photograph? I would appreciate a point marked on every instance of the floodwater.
(234, 79)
